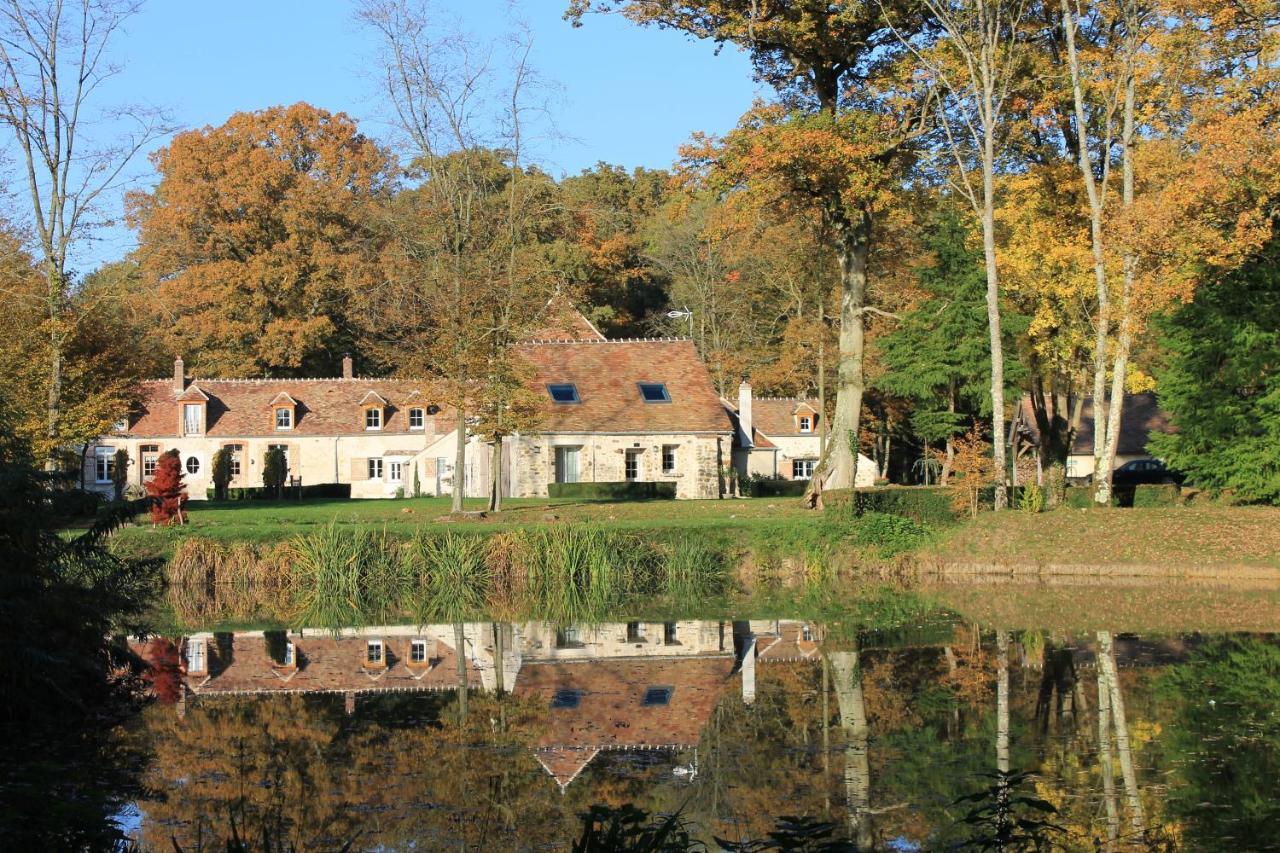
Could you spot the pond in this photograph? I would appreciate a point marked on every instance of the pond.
(934, 734)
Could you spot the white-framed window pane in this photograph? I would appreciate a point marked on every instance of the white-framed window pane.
(416, 419)
(192, 416)
(104, 464)
(631, 465)
(234, 451)
(284, 418)
(150, 459)
(375, 469)
(395, 472)
(802, 469)
(373, 651)
(373, 418)
(806, 423)
(195, 656)
(193, 465)
(669, 458)
(418, 651)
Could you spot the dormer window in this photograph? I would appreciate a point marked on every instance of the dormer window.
(564, 392)
(657, 696)
(284, 417)
(654, 392)
(290, 654)
(196, 656)
(121, 425)
(420, 652)
(374, 654)
(192, 418)
(373, 418)
(806, 423)
(417, 418)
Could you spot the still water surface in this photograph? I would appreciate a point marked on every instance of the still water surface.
(916, 739)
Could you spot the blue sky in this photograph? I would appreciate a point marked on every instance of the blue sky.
(625, 94)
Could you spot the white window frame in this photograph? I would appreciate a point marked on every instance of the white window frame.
(395, 471)
(419, 415)
(418, 651)
(802, 469)
(375, 468)
(806, 423)
(234, 459)
(290, 654)
(192, 419)
(104, 464)
(288, 417)
(373, 418)
(630, 472)
(150, 460)
(121, 425)
(186, 465)
(670, 450)
(372, 659)
(197, 657)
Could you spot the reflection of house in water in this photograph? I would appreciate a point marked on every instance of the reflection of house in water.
(613, 686)
(379, 659)
(622, 686)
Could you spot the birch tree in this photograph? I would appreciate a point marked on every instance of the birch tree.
(975, 66)
(54, 57)
(465, 285)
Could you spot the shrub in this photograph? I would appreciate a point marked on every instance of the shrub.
(168, 491)
(346, 578)
(1031, 498)
(275, 469)
(626, 491)
(339, 491)
(773, 487)
(1081, 497)
(73, 503)
(888, 534)
(693, 570)
(221, 473)
(1168, 494)
(119, 473)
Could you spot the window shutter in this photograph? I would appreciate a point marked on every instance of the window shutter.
(359, 469)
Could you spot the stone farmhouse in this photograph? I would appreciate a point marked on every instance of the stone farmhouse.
(616, 411)
(1140, 416)
(781, 438)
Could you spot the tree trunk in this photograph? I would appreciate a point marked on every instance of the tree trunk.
(1002, 701)
(1104, 758)
(460, 462)
(950, 457)
(495, 476)
(53, 402)
(847, 671)
(838, 468)
(1107, 663)
(460, 650)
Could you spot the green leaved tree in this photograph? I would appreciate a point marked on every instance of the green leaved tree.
(938, 356)
(1221, 386)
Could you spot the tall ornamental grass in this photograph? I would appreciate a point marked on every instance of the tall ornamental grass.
(347, 578)
(452, 576)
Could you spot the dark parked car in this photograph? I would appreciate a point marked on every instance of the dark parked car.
(1142, 472)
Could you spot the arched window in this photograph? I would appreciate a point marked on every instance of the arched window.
(193, 465)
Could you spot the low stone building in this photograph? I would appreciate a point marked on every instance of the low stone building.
(1140, 416)
(781, 438)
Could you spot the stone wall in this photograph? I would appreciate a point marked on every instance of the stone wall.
(602, 459)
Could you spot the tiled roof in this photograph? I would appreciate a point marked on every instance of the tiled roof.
(776, 416)
(607, 374)
(1140, 416)
(241, 663)
(611, 713)
(242, 407)
(788, 644)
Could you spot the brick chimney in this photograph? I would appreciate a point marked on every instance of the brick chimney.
(745, 431)
(179, 376)
(348, 368)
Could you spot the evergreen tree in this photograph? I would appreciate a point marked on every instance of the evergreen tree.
(938, 355)
(168, 491)
(221, 473)
(1221, 386)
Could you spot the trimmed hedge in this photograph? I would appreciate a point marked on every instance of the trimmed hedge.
(1168, 494)
(770, 487)
(341, 491)
(929, 505)
(625, 491)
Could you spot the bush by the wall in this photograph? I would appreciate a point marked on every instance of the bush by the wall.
(74, 503)
(888, 534)
(625, 491)
(1081, 497)
(1167, 494)
(774, 487)
(928, 505)
(339, 491)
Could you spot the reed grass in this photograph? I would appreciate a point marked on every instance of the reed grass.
(454, 577)
(345, 578)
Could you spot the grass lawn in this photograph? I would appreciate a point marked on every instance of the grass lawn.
(257, 521)
(1175, 537)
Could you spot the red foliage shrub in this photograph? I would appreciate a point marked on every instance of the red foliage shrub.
(168, 490)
